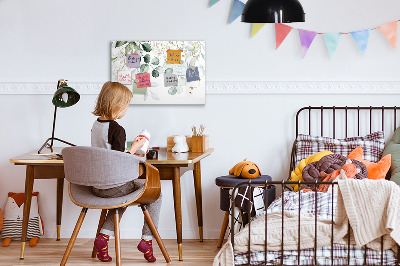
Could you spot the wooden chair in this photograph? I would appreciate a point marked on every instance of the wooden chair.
(85, 167)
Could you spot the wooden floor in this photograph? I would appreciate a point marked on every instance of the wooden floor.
(50, 252)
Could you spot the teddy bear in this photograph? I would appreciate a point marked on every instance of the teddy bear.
(13, 215)
(245, 169)
(180, 144)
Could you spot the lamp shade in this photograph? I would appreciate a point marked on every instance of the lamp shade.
(65, 96)
(273, 11)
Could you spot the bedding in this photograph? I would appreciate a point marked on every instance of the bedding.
(372, 144)
(323, 210)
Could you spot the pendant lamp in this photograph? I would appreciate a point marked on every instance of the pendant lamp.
(64, 96)
(273, 11)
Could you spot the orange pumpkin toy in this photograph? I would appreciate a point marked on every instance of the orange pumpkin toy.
(245, 169)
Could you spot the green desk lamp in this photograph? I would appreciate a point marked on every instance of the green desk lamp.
(65, 96)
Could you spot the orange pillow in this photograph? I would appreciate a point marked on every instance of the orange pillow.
(375, 170)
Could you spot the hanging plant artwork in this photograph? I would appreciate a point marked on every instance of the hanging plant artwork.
(160, 72)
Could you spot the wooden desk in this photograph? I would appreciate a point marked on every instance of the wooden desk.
(171, 167)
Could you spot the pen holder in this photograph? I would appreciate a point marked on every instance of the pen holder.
(200, 143)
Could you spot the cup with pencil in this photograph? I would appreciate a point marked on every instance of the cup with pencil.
(199, 140)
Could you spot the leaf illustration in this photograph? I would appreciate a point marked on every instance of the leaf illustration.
(146, 95)
(160, 69)
(118, 44)
(146, 47)
(172, 90)
(146, 58)
(179, 90)
(155, 73)
(137, 47)
(155, 96)
(155, 61)
(144, 68)
(168, 71)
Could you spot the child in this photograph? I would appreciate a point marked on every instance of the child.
(112, 103)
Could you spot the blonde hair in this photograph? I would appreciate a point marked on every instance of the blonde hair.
(112, 99)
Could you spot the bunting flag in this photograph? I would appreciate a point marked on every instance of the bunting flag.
(256, 27)
(332, 41)
(281, 31)
(213, 2)
(361, 37)
(237, 9)
(306, 39)
(389, 30)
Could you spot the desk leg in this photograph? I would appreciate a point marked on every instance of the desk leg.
(197, 189)
(60, 190)
(27, 206)
(176, 182)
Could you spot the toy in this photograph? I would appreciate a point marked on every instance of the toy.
(144, 134)
(296, 174)
(375, 170)
(180, 144)
(245, 169)
(13, 215)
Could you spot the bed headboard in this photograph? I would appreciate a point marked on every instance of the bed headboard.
(344, 121)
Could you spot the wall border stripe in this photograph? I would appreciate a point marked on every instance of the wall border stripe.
(231, 87)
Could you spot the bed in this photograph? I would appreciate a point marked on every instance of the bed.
(312, 210)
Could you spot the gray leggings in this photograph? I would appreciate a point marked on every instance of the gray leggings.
(154, 208)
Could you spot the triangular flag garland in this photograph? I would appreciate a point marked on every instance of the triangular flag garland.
(237, 8)
(306, 39)
(389, 30)
(332, 41)
(361, 37)
(256, 27)
(281, 31)
(213, 2)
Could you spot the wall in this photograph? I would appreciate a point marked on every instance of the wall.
(47, 40)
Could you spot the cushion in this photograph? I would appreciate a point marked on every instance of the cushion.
(393, 148)
(329, 164)
(372, 144)
(84, 196)
(375, 170)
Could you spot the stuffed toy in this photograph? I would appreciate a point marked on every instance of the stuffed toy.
(375, 170)
(13, 215)
(245, 169)
(180, 144)
(296, 174)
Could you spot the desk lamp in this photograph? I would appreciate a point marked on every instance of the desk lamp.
(273, 11)
(64, 96)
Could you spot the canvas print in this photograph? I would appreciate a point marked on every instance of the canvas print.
(160, 72)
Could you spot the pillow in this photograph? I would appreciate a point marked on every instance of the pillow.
(372, 144)
(393, 148)
(296, 174)
(375, 170)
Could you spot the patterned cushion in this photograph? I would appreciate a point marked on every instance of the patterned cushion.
(372, 144)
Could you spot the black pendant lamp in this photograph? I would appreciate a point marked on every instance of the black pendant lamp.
(273, 11)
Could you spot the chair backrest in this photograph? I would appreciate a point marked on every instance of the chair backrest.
(92, 166)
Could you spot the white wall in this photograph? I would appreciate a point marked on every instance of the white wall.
(43, 41)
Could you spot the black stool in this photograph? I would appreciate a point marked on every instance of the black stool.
(226, 183)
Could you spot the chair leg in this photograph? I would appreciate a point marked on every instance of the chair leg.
(154, 230)
(73, 237)
(223, 229)
(101, 222)
(117, 239)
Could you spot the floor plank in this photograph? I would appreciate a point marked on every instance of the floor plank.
(49, 252)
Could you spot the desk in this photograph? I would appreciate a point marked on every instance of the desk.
(170, 165)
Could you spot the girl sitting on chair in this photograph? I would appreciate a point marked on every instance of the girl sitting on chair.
(112, 104)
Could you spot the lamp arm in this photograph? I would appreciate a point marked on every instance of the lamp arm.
(54, 126)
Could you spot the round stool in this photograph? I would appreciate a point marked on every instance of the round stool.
(228, 182)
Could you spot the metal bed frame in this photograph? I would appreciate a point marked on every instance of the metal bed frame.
(283, 184)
